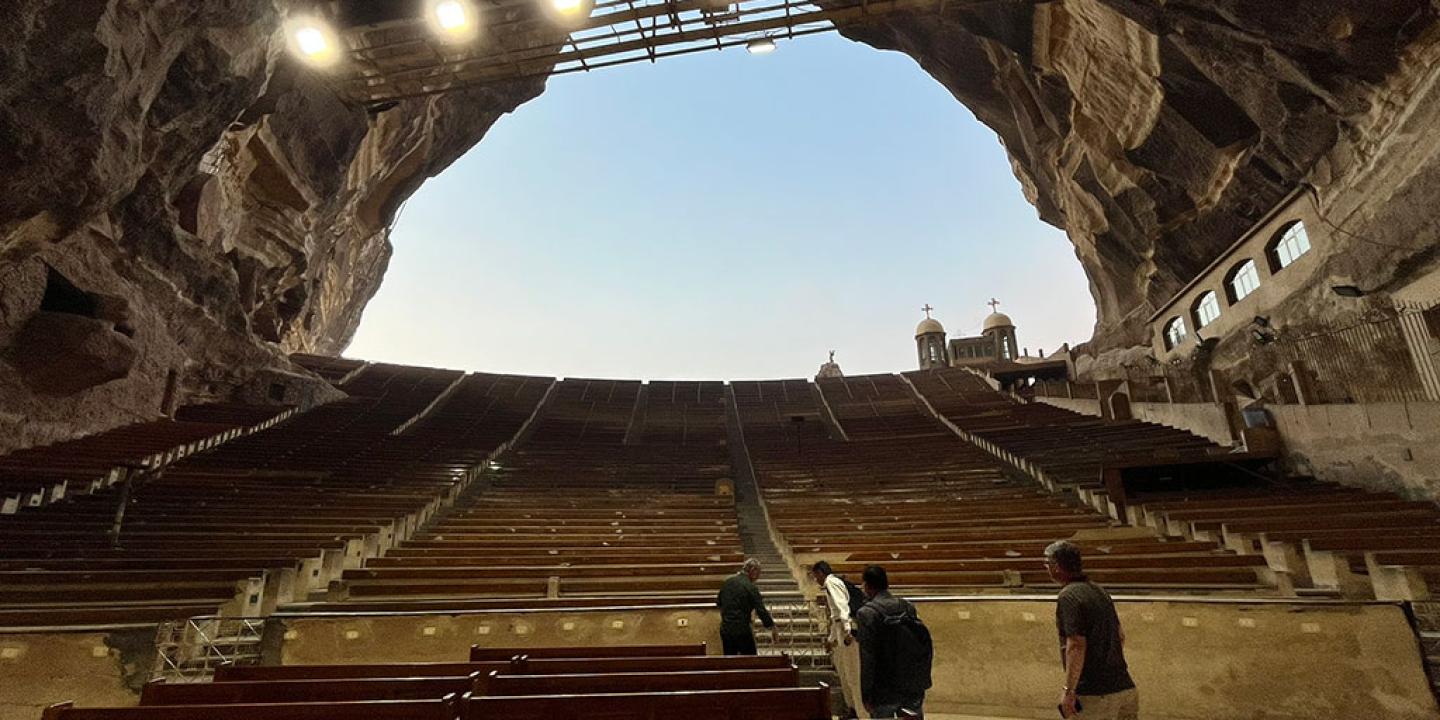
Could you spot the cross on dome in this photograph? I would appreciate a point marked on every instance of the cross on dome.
(994, 305)
(927, 310)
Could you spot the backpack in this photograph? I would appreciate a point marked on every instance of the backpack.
(907, 639)
(857, 597)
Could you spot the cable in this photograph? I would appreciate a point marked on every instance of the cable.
(1353, 236)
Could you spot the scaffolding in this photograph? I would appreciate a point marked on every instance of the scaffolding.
(392, 58)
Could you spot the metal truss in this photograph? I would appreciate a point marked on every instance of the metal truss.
(398, 57)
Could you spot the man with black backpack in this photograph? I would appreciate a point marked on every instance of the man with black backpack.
(844, 599)
(895, 651)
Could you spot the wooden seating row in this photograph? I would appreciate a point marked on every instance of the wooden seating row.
(1327, 537)
(576, 512)
(269, 518)
(622, 683)
(1063, 448)
(34, 477)
(942, 514)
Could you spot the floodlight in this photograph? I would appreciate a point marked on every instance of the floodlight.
(569, 13)
(313, 40)
(1349, 291)
(453, 21)
(760, 46)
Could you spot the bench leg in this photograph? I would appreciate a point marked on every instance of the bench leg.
(333, 564)
(355, 551)
(1392, 582)
(280, 587)
(338, 591)
(1236, 542)
(249, 599)
(312, 575)
(1285, 557)
(1332, 571)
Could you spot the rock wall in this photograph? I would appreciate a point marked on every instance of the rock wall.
(1156, 133)
(180, 199)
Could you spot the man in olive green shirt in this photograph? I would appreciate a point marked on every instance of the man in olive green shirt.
(737, 599)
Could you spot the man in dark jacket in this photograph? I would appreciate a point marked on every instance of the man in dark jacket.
(895, 651)
(737, 599)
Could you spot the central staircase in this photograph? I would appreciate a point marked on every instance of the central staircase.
(800, 624)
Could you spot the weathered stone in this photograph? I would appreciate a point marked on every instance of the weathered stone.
(59, 354)
(218, 204)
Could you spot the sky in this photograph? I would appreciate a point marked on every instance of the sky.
(722, 216)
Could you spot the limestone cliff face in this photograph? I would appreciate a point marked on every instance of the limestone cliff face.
(178, 198)
(1156, 132)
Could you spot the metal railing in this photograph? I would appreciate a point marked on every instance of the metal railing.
(1365, 362)
(1393, 355)
(802, 631)
(190, 650)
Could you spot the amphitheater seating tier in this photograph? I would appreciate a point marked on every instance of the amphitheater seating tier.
(576, 513)
(264, 518)
(621, 683)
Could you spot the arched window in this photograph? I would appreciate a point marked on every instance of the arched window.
(1242, 280)
(1288, 246)
(1174, 332)
(1206, 309)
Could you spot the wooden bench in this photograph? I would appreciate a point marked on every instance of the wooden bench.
(544, 666)
(499, 683)
(479, 653)
(519, 665)
(160, 692)
(763, 704)
(442, 709)
(229, 673)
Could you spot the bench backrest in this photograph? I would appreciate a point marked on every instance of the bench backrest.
(520, 666)
(478, 653)
(238, 673)
(373, 710)
(581, 683)
(280, 691)
(767, 704)
(552, 666)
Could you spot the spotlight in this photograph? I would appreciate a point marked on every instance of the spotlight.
(568, 12)
(313, 40)
(1348, 291)
(453, 21)
(760, 46)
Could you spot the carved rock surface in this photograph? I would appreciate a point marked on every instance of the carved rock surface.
(1156, 133)
(166, 152)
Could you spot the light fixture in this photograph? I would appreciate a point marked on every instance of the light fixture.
(313, 40)
(760, 46)
(1348, 291)
(453, 21)
(569, 13)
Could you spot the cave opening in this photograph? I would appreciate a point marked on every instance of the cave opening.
(61, 296)
(721, 215)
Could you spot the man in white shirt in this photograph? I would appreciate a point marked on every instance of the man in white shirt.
(844, 650)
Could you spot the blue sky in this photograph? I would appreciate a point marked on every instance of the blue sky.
(722, 216)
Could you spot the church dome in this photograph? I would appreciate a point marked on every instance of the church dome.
(998, 320)
(927, 326)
